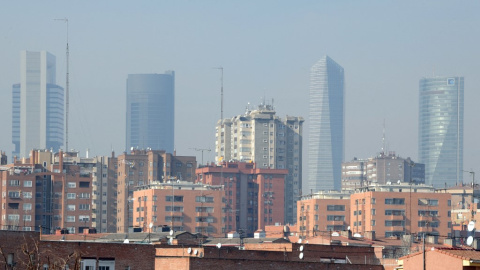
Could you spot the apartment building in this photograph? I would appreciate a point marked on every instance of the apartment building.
(39, 192)
(395, 210)
(380, 210)
(143, 167)
(260, 136)
(254, 197)
(180, 205)
(324, 211)
(382, 169)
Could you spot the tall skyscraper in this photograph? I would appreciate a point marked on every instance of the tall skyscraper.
(262, 137)
(326, 120)
(151, 111)
(37, 105)
(440, 132)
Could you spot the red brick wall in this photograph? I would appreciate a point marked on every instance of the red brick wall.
(137, 256)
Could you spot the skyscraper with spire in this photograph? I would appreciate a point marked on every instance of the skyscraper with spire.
(326, 122)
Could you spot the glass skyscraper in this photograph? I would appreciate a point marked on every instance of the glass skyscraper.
(440, 132)
(326, 121)
(151, 111)
(37, 105)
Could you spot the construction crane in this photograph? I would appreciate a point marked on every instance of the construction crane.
(201, 149)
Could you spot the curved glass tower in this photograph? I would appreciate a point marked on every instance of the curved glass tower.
(440, 132)
(150, 111)
(326, 120)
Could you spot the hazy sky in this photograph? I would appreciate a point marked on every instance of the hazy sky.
(266, 49)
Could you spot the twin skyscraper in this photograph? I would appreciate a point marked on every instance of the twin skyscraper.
(440, 129)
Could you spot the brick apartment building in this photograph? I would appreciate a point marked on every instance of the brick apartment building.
(142, 167)
(254, 197)
(385, 210)
(396, 210)
(182, 206)
(36, 193)
(323, 211)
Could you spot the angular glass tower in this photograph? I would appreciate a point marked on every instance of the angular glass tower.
(151, 111)
(37, 105)
(440, 132)
(326, 121)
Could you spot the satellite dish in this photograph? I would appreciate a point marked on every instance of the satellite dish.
(471, 226)
(301, 248)
(348, 229)
(195, 252)
(126, 241)
(219, 245)
(301, 255)
(300, 240)
(189, 250)
(150, 225)
(335, 234)
(470, 240)
(171, 232)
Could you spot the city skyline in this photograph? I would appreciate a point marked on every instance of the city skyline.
(440, 132)
(267, 55)
(327, 125)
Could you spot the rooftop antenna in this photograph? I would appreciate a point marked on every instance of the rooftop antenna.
(383, 139)
(67, 92)
(221, 92)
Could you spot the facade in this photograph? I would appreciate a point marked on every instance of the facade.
(41, 193)
(396, 210)
(271, 142)
(327, 121)
(37, 105)
(382, 169)
(323, 212)
(103, 207)
(378, 211)
(182, 206)
(150, 111)
(440, 132)
(254, 197)
(143, 167)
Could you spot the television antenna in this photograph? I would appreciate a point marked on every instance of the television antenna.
(67, 88)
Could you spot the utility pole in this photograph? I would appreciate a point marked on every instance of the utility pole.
(201, 149)
(473, 192)
(67, 90)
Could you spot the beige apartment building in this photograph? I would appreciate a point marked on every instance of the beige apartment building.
(382, 210)
(260, 136)
(323, 212)
(181, 206)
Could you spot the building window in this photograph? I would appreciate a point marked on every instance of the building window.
(335, 207)
(71, 185)
(27, 206)
(14, 183)
(27, 183)
(71, 207)
(395, 201)
(71, 196)
(175, 198)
